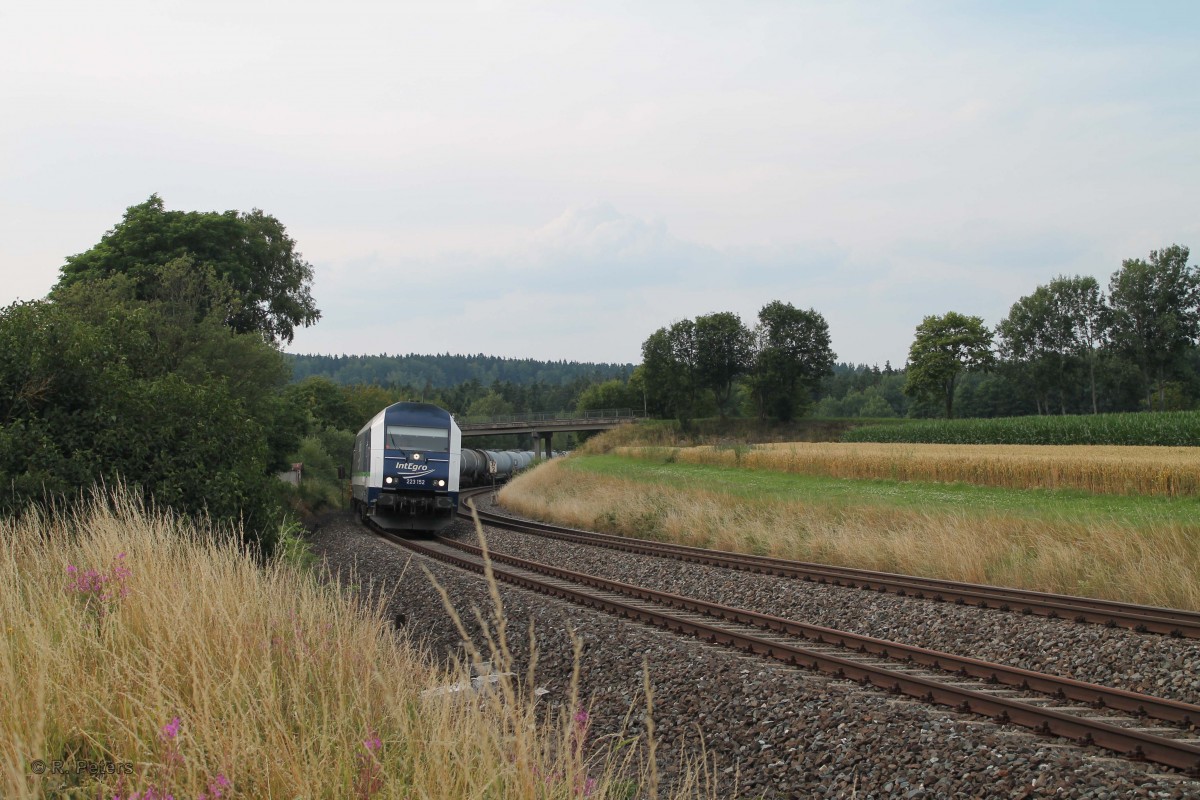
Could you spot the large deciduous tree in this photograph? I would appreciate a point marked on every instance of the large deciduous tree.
(251, 252)
(669, 369)
(157, 392)
(945, 347)
(723, 351)
(791, 354)
(1080, 302)
(1155, 313)
(1030, 344)
(1049, 334)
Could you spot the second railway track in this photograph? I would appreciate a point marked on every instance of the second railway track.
(1143, 619)
(1085, 713)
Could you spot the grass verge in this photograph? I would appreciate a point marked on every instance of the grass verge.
(148, 657)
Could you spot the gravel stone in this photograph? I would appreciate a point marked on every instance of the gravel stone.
(771, 730)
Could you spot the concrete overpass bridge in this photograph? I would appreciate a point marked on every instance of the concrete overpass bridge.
(544, 426)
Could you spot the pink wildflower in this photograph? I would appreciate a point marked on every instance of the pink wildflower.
(216, 788)
(95, 585)
(170, 730)
(373, 744)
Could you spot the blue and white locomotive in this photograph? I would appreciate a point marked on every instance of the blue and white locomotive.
(405, 472)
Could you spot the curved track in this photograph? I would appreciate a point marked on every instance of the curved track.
(1085, 713)
(1143, 619)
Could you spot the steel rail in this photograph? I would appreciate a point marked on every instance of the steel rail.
(1067, 688)
(1129, 742)
(1143, 619)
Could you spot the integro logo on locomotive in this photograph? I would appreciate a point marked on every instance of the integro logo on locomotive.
(406, 466)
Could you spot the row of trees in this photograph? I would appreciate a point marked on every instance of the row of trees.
(442, 371)
(1069, 347)
(1069, 333)
(776, 364)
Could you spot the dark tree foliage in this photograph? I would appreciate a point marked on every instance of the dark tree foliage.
(666, 379)
(446, 371)
(859, 390)
(1155, 313)
(792, 355)
(1051, 336)
(98, 385)
(943, 349)
(723, 351)
(614, 394)
(252, 253)
(1065, 348)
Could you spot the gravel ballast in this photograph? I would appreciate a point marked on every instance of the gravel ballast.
(767, 729)
(1148, 663)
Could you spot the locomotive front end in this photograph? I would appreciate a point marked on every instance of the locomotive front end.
(410, 453)
(417, 475)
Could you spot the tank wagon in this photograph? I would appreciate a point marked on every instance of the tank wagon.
(408, 466)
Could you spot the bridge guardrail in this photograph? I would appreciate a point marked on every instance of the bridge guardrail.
(604, 413)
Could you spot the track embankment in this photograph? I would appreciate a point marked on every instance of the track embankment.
(770, 729)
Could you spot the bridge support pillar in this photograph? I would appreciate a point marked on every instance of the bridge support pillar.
(537, 441)
(549, 451)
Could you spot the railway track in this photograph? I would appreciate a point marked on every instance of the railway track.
(1088, 714)
(1143, 619)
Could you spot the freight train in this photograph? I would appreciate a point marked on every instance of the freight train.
(409, 464)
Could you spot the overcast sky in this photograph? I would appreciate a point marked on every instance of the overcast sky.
(557, 180)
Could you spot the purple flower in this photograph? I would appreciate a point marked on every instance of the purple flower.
(216, 788)
(170, 730)
(373, 744)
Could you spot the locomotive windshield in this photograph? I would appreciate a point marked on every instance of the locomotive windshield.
(405, 437)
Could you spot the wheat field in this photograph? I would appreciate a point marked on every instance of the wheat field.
(154, 658)
(1156, 564)
(1156, 471)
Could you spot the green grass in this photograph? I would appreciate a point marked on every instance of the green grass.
(933, 497)
(1167, 428)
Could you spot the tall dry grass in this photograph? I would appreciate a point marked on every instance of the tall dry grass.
(1163, 471)
(155, 658)
(1157, 564)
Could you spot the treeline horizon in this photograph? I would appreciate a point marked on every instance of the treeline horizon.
(1068, 347)
(444, 370)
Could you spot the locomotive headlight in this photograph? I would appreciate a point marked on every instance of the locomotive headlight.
(416, 456)
(440, 482)
(388, 479)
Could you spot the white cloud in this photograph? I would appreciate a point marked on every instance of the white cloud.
(876, 162)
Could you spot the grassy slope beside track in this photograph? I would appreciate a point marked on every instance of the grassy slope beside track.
(1134, 548)
(133, 638)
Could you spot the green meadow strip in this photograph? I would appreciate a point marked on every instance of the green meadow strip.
(959, 498)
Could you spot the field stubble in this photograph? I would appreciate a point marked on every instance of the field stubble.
(1156, 562)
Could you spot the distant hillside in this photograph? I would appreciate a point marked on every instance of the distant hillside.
(442, 371)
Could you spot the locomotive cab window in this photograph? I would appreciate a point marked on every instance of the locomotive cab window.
(405, 437)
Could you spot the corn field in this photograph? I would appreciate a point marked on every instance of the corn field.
(1162, 429)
